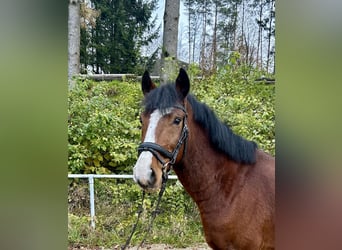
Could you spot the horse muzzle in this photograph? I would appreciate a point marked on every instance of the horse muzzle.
(145, 175)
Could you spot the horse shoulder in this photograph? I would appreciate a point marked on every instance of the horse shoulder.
(253, 209)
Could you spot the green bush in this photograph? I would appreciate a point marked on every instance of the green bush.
(104, 117)
(245, 105)
(103, 126)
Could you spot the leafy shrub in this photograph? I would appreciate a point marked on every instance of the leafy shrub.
(103, 126)
(246, 106)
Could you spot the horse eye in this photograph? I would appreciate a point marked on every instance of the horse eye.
(177, 121)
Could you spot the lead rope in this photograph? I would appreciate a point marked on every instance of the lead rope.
(154, 214)
(156, 211)
(140, 210)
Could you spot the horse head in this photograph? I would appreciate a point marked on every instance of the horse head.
(164, 130)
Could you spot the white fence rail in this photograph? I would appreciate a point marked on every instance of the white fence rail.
(91, 178)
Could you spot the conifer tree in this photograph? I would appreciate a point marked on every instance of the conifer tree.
(113, 45)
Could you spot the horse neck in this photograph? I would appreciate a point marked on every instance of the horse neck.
(203, 168)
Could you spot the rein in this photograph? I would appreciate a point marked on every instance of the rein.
(158, 150)
(153, 216)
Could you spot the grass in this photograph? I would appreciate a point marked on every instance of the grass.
(117, 203)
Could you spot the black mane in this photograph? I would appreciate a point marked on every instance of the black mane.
(221, 136)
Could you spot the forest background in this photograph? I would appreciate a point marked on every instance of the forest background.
(126, 36)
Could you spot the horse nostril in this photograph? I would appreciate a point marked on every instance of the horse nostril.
(153, 174)
(152, 177)
(148, 180)
(142, 184)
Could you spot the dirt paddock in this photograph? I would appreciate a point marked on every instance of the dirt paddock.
(202, 246)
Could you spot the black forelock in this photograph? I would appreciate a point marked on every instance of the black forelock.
(161, 98)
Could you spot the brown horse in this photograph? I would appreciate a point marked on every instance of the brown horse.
(229, 178)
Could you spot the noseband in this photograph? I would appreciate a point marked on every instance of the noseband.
(158, 150)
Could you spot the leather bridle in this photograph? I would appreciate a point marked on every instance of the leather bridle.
(159, 151)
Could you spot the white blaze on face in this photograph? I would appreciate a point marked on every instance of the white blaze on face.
(142, 169)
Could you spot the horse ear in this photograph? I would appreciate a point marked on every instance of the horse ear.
(183, 83)
(146, 83)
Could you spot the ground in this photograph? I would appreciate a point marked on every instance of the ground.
(203, 246)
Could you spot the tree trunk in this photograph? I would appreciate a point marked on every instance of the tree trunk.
(194, 46)
(235, 43)
(243, 36)
(214, 49)
(194, 28)
(189, 23)
(170, 39)
(269, 34)
(268, 46)
(261, 29)
(73, 40)
(259, 46)
(203, 44)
